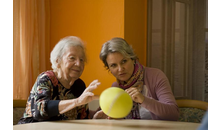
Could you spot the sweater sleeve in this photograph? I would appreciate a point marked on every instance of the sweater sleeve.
(42, 107)
(162, 104)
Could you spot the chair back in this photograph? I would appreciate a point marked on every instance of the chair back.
(191, 110)
(18, 110)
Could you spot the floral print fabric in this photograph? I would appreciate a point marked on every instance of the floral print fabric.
(191, 115)
(45, 95)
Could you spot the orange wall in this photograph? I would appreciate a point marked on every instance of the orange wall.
(135, 32)
(95, 22)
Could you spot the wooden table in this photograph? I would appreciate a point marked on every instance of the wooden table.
(104, 124)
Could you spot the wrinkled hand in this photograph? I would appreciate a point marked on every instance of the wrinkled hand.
(135, 94)
(100, 115)
(87, 96)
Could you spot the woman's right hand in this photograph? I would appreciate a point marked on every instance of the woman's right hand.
(87, 96)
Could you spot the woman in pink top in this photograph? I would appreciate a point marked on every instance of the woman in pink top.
(149, 87)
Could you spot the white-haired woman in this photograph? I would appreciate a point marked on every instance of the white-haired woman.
(60, 94)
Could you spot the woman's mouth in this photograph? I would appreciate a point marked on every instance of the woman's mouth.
(75, 70)
(122, 74)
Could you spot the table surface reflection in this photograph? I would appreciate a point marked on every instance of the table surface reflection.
(104, 124)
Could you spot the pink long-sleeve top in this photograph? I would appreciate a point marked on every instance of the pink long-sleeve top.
(159, 99)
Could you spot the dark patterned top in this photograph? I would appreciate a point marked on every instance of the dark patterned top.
(42, 104)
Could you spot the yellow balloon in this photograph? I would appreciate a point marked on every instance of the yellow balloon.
(115, 102)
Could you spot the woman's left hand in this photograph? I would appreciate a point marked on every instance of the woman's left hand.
(135, 94)
(100, 115)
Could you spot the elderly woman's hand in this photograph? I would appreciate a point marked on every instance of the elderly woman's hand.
(87, 96)
(135, 94)
(100, 115)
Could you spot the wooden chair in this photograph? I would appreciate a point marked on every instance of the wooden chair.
(18, 110)
(191, 110)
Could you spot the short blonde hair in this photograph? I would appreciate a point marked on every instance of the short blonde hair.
(116, 45)
(61, 46)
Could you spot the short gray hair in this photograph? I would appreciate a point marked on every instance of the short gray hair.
(61, 46)
(116, 45)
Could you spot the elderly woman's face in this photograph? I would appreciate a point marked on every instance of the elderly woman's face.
(72, 63)
(120, 66)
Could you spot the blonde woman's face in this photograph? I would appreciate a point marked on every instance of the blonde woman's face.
(72, 63)
(120, 66)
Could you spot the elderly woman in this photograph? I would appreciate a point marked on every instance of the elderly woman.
(60, 94)
(149, 88)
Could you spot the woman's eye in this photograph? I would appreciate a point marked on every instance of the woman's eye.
(72, 58)
(124, 61)
(113, 65)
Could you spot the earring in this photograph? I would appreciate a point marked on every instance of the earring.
(134, 61)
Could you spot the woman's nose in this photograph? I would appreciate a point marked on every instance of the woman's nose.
(120, 68)
(77, 62)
